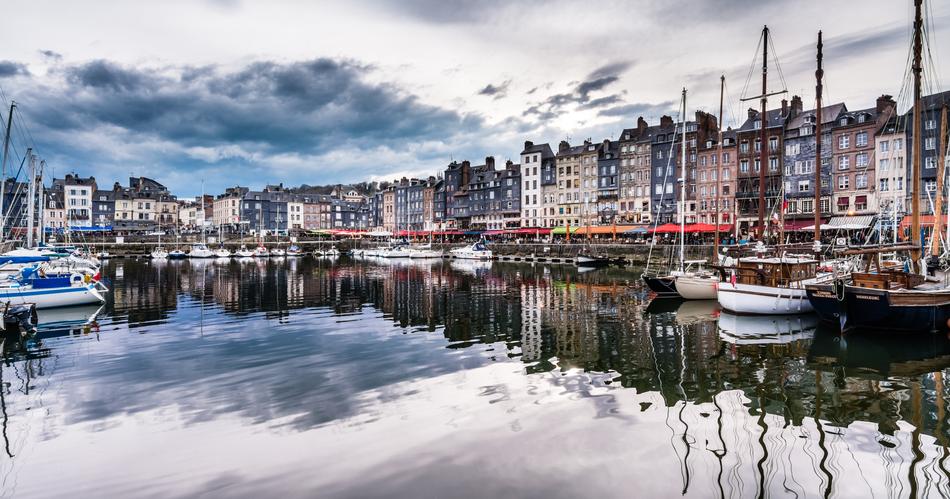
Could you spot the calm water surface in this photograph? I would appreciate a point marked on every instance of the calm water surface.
(345, 378)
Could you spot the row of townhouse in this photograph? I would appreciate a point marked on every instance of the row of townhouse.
(636, 179)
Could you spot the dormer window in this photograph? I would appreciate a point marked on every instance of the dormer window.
(843, 122)
(862, 118)
(757, 124)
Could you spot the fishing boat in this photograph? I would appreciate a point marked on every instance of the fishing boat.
(887, 297)
(52, 291)
(200, 250)
(243, 252)
(476, 251)
(768, 284)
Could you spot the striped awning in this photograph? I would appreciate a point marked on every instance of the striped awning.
(856, 222)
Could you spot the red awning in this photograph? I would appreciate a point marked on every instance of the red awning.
(541, 231)
(666, 229)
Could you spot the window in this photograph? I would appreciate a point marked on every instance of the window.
(807, 205)
(744, 166)
(898, 144)
(861, 181)
(669, 188)
(860, 202)
(659, 189)
(773, 164)
(844, 162)
(930, 124)
(844, 141)
(773, 144)
(725, 174)
(757, 164)
(744, 147)
(861, 138)
(930, 162)
(804, 186)
(884, 145)
(882, 165)
(844, 202)
(882, 184)
(930, 143)
(843, 181)
(861, 160)
(931, 185)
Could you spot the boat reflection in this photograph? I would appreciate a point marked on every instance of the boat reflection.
(766, 329)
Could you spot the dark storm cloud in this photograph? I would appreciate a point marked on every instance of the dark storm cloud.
(496, 91)
(639, 109)
(580, 94)
(301, 107)
(10, 68)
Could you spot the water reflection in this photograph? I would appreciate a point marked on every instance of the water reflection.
(427, 378)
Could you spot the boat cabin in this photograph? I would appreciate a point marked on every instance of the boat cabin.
(775, 271)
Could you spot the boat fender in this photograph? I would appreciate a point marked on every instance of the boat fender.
(838, 287)
(76, 278)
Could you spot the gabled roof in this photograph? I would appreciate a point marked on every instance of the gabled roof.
(775, 119)
(828, 115)
(544, 149)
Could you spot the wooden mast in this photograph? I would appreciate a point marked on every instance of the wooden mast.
(683, 184)
(718, 165)
(3, 169)
(819, 73)
(941, 169)
(915, 161)
(763, 120)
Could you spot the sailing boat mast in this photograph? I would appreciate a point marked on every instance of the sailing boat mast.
(763, 123)
(683, 185)
(819, 73)
(717, 164)
(31, 201)
(941, 171)
(3, 168)
(915, 161)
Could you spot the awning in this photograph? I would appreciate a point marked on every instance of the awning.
(666, 229)
(602, 229)
(636, 230)
(473, 233)
(531, 231)
(380, 233)
(856, 222)
(561, 230)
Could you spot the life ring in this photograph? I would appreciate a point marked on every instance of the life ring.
(76, 278)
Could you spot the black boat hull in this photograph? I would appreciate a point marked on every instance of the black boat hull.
(662, 286)
(876, 310)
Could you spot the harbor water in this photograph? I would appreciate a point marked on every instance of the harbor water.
(371, 378)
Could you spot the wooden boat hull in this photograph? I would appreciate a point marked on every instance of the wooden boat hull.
(697, 287)
(751, 299)
(664, 286)
(893, 310)
(825, 302)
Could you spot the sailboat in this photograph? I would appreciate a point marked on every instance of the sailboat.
(201, 250)
(159, 252)
(586, 257)
(261, 251)
(888, 298)
(221, 252)
(771, 281)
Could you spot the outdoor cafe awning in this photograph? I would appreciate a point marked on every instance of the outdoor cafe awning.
(857, 222)
(925, 220)
(561, 230)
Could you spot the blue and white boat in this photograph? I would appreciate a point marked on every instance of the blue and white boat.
(51, 291)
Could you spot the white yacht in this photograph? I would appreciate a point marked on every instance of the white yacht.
(222, 252)
(477, 251)
(200, 251)
(159, 253)
(243, 252)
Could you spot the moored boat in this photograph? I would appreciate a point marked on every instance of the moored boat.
(476, 251)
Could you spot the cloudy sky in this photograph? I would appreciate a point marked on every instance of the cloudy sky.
(252, 92)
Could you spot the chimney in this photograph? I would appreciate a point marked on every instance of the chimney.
(466, 172)
(666, 121)
(784, 107)
(885, 101)
(508, 164)
(752, 113)
(796, 106)
(641, 124)
(490, 162)
(563, 146)
(528, 145)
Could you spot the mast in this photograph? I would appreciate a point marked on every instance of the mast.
(941, 171)
(915, 161)
(683, 186)
(3, 168)
(722, 90)
(819, 73)
(31, 200)
(763, 120)
(41, 203)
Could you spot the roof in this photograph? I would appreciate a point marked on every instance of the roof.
(544, 149)
(775, 119)
(828, 115)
